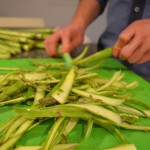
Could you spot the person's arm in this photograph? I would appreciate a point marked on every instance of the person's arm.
(86, 12)
(72, 35)
(133, 43)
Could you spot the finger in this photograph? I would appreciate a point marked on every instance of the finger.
(145, 58)
(123, 39)
(76, 42)
(132, 46)
(137, 55)
(71, 43)
(66, 42)
(140, 52)
(51, 44)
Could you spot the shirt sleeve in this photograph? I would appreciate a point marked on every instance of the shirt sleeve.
(102, 4)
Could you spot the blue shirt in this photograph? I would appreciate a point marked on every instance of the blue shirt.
(120, 14)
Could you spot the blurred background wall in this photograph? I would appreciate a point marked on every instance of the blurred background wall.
(55, 13)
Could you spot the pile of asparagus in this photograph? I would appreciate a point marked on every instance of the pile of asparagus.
(17, 41)
(65, 96)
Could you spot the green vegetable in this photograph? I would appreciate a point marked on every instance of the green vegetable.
(95, 57)
(66, 57)
(123, 147)
(62, 90)
(62, 97)
(17, 41)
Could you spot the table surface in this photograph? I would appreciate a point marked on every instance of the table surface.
(99, 138)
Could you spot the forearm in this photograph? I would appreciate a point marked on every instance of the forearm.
(86, 12)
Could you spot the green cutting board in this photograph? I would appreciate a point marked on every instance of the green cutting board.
(99, 138)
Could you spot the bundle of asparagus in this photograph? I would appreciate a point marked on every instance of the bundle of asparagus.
(16, 41)
(64, 96)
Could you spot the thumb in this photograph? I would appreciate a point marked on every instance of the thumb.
(123, 39)
(65, 45)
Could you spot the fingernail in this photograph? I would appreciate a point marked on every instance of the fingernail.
(122, 58)
(115, 53)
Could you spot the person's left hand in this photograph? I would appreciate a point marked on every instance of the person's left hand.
(133, 43)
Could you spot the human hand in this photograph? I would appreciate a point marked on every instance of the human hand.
(70, 37)
(133, 43)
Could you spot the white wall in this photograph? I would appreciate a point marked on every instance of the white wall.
(54, 12)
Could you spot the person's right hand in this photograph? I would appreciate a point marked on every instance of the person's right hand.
(70, 37)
